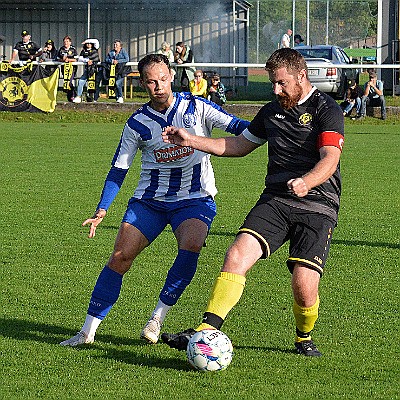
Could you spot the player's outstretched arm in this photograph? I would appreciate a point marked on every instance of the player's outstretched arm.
(95, 221)
(236, 146)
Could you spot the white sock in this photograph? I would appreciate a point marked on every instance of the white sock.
(161, 310)
(90, 326)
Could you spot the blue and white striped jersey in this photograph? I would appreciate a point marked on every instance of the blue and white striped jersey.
(169, 172)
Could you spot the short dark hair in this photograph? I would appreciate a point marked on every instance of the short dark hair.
(287, 58)
(152, 59)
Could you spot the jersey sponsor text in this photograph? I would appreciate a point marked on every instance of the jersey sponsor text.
(173, 153)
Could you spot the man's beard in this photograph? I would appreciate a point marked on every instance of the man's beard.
(286, 101)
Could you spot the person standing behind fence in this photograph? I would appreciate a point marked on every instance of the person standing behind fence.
(285, 41)
(67, 54)
(167, 52)
(184, 55)
(118, 57)
(26, 49)
(90, 56)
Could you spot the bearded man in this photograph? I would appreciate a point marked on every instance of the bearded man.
(304, 129)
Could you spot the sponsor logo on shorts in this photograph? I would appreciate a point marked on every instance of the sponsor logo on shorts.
(172, 153)
(318, 260)
(205, 217)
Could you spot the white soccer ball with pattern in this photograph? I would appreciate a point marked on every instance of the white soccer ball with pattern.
(209, 350)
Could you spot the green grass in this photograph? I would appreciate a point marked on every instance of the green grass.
(51, 177)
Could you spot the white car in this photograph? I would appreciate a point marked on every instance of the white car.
(324, 72)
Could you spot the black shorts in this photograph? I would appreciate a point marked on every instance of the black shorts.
(273, 223)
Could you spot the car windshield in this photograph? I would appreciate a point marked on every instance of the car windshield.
(316, 53)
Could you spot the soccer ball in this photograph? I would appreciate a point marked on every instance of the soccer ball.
(209, 350)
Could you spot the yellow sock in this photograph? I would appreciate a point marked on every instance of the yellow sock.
(203, 325)
(305, 319)
(228, 289)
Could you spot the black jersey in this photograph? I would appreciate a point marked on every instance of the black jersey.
(70, 52)
(294, 138)
(91, 54)
(26, 49)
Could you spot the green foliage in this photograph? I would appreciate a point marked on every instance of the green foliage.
(275, 17)
(52, 174)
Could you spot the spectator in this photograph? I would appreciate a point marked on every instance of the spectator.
(184, 55)
(198, 86)
(373, 96)
(119, 57)
(49, 52)
(285, 41)
(298, 40)
(26, 49)
(353, 98)
(67, 54)
(216, 91)
(90, 56)
(167, 51)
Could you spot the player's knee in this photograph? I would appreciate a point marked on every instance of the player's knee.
(235, 262)
(120, 261)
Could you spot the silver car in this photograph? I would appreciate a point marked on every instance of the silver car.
(324, 72)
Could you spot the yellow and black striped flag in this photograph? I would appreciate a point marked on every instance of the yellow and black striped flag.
(29, 87)
(112, 82)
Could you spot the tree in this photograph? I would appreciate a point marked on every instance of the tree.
(349, 20)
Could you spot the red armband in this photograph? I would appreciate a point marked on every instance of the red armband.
(330, 138)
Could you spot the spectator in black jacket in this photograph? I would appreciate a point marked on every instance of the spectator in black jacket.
(353, 98)
(90, 56)
(49, 52)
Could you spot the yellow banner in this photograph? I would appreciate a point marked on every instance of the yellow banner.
(28, 87)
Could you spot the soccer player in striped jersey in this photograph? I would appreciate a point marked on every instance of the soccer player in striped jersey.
(176, 188)
(304, 129)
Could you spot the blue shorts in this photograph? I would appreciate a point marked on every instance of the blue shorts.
(152, 216)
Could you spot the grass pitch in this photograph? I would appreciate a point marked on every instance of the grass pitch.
(52, 173)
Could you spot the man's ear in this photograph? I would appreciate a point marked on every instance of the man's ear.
(302, 75)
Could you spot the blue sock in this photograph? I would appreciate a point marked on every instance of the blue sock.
(105, 293)
(179, 276)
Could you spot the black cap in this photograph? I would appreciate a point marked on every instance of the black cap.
(24, 33)
(50, 42)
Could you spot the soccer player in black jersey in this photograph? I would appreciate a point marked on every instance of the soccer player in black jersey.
(304, 129)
